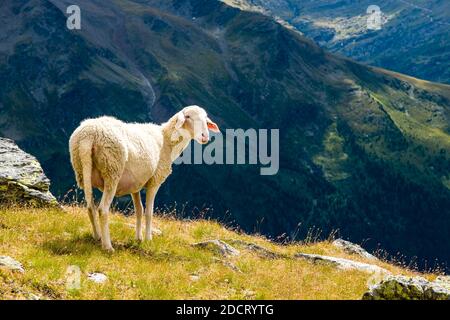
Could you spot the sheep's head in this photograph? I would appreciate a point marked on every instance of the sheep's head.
(194, 123)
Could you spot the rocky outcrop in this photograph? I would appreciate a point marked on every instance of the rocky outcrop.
(11, 264)
(343, 264)
(218, 245)
(352, 248)
(22, 179)
(409, 288)
(259, 250)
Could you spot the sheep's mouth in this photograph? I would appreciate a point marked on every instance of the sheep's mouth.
(202, 141)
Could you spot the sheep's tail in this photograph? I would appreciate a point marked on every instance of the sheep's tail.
(85, 150)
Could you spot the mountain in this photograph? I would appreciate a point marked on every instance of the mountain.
(362, 150)
(415, 39)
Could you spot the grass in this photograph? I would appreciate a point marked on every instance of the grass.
(333, 158)
(48, 241)
(433, 137)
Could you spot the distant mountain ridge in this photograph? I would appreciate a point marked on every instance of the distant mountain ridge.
(362, 150)
(415, 40)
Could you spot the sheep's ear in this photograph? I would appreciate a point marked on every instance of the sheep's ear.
(212, 126)
(180, 120)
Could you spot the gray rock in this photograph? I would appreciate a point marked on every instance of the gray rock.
(443, 281)
(409, 288)
(11, 264)
(97, 277)
(218, 245)
(439, 289)
(343, 264)
(194, 277)
(232, 266)
(228, 264)
(22, 179)
(32, 296)
(259, 250)
(352, 248)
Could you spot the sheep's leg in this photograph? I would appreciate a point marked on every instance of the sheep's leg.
(92, 212)
(149, 202)
(139, 210)
(107, 198)
(83, 162)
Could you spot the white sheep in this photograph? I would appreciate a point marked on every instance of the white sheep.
(123, 158)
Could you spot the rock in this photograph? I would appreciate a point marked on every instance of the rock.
(248, 294)
(352, 248)
(343, 264)
(97, 277)
(409, 288)
(261, 251)
(443, 281)
(32, 296)
(439, 289)
(232, 266)
(194, 277)
(22, 179)
(224, 248)
(228, 264)
(10, 264)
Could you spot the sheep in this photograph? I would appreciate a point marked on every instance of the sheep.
(121, 158)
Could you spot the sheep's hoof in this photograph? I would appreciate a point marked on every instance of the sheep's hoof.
(108, 249)
(139, 238)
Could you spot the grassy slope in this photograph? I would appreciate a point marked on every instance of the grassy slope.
(48, 241)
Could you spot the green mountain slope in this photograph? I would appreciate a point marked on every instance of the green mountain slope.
(362, 150)
(415, 39)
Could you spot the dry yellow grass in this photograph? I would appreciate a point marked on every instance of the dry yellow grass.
(47, 242)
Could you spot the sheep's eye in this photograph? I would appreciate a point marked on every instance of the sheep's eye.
(186, 117)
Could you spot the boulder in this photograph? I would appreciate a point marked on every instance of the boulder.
(344, 264)
(352, 248)
(259, 250)
(10, 264)
(97, 277)
(22, 179)
(218, 245)
(409, 288)
(438, 289)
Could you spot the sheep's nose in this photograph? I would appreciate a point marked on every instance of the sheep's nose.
(205, 138)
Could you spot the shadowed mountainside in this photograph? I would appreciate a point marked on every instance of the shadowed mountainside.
(415, 39)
